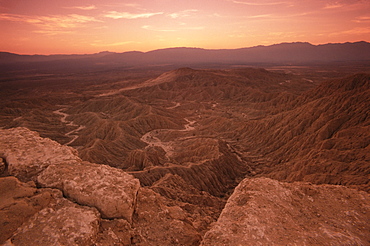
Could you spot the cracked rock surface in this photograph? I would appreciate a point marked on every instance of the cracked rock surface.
(65, 224)
(72, 202)
(27, 154)
(263, 211)
(110, 190)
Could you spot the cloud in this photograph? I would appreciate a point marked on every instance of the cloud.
(260, 3)
(52, 24)
(53, 32)
(348, 5)
(354, 31)
(119, 5)
(362, 19)
(89, 7)
(133, 5)
(125, 15)
(333, 6)
(184, 13)
(60, 21)
(57, 20)
(151, 28)
(9, 17)
(182, 28)
(99, 44)
(260, 16)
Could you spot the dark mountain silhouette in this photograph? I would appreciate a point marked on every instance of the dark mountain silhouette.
(285, 53)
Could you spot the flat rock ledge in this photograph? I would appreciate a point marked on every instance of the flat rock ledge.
(27, 154)
(263, 211)
(52, 165)
(110, 190)
(64, 224)
(43, 217)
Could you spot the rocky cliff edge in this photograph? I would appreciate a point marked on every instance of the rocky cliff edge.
(49, 196)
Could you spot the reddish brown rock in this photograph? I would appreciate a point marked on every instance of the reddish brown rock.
(65, 223)
(110, 190)
(160, 223)
(116, 232)
(202, 208)
(18, 202)
(2, 166)
(28, 154)
(263, 211)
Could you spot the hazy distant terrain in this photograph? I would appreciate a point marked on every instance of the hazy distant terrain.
(191, 124)
(279, 54)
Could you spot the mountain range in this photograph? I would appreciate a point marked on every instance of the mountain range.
(298, 53)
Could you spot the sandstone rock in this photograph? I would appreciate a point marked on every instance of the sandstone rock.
(117, 232)
(28, 154)
(159, 223)
(2, 166)
(174, 187)
(20, 201)
(203, 209)
(15, 205)
(263, 211)
(110, 190)
(64, 224)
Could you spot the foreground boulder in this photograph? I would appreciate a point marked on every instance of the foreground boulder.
(31, 216)
(64, 224)
(110, 190)
(18, 202)
(263, 211)
(27, 154)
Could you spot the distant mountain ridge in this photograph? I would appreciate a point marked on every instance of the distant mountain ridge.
(297, 53)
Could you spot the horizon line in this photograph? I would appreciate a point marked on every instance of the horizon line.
(180, 47)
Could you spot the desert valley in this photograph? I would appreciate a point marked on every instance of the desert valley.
(260, 146)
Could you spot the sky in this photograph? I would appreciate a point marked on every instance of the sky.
(85, 27)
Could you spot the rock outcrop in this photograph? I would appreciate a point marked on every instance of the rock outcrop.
(27, 154)
(18, 202)
(110, 190)
(161, 222)
(64, 224)
(70, 201)
(263, 211)
(3, 166)
(81, 203)
(43, 216)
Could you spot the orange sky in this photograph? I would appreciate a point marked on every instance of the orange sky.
(80, 26)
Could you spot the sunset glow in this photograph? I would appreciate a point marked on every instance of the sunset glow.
(78, 26)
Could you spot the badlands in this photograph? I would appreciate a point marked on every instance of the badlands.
(235, 156)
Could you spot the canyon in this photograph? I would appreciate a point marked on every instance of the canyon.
(237, 155)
